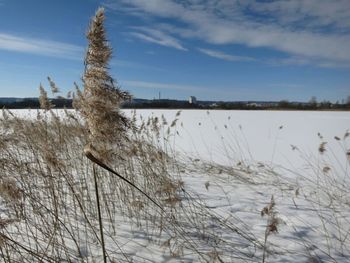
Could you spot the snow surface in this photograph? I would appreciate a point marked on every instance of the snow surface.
(228, 137)
(255, 144)
(279, 151)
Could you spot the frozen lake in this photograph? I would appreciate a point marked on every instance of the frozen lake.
(277, 138)
(270, 137)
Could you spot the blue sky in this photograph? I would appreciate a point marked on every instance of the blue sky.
(214, 50)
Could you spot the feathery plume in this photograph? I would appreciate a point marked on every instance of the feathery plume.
(101, 98)
(54, 88)
(45, 104)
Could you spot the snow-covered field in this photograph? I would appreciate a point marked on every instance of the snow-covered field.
(277, 138)
(227, 137)
(234, 162)
(267, 142)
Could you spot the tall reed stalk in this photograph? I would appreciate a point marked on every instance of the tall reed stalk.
(100, 103)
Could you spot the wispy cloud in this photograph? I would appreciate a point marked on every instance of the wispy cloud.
(224, 56)
(40, 47)
(307, 61)
(157, 37)
(311, 14)
(314, 29)
(288, 61)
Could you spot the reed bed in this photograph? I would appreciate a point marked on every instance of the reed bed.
(50, 212)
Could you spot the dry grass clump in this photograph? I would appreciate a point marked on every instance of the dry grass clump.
(322, 147)
(56, 218)
(9, 190)
(44, 100)
(53, 86)
(272, 222)
(45, 156)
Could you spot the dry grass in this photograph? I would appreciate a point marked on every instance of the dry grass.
(272, 222)
(51, 214)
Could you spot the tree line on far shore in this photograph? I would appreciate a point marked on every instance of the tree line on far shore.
(313, 104)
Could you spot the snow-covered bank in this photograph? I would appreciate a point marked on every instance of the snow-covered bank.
(213, 191)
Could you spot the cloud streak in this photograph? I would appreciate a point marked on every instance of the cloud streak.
(40, 47)
(311, 14)
(289, 61)
(157, 37)
(224, 56)
(319, 31)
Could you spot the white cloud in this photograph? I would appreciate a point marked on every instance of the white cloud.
(40, 47)
(157, 37)
(313, 14)
(299, 28)
(292, 60)
(304, 61)
(224, 56)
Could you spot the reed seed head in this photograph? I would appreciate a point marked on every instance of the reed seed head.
(100, 102)
(45, 104)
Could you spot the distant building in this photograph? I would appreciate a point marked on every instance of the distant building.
(192, 100)
(254, 104)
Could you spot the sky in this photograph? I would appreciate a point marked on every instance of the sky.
(213, 49)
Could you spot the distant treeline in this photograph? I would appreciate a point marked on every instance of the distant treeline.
(160, 104)
(33, 103)
(282, 105)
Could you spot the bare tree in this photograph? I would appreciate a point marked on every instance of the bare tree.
(313, 102)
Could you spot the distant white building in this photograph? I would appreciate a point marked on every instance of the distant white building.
(192, 100)
(254, 104)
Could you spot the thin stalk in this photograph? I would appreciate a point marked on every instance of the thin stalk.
(99, 215)
(95, 160)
